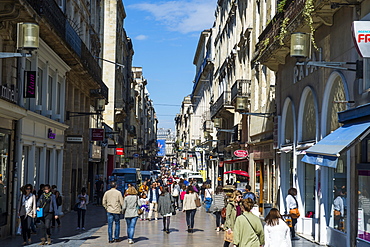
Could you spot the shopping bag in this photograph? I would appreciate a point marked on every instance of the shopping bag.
(197, 202)
(19, 229)
(40, 213)
(229, 236)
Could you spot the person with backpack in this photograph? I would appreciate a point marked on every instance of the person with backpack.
(249, 194)
(59, 200)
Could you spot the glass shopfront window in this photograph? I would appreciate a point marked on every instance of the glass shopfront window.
(363, 198)
(338, 199)
(4, 165)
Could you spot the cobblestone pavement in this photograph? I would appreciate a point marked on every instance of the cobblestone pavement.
(146, 234)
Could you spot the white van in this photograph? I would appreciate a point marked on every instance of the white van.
(198, 178)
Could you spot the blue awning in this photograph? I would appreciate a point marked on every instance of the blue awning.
(327, 151)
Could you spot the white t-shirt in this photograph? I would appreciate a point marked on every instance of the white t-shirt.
(277, 236)
(208, 193)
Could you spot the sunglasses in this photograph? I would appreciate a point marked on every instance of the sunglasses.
(28, 188)
(240, 197)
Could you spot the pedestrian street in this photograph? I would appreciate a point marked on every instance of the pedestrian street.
(147, 233)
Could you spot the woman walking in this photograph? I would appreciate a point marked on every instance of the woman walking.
(49, 207)
(248, 229)
(219, 204)
(131, 204)
(190, 207)
(292, 203)
(182, 195)
(165, 208)
(27, 212)
(233, 210)
(208, 193)
(277, 232)
(82, 201)
(175, 192)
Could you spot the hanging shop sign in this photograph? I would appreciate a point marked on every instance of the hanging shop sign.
(241, 153)
(30, 84)
(96, 134)
(361, 37)
(95, 153)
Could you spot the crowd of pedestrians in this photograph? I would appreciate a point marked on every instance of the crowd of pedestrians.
(164, 197)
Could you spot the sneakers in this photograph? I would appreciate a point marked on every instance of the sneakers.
(156, 218)
(217, 229)
(130, 241)
(83, 229)
(295, 238)
(77, 228)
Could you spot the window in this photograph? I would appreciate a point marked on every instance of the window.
(338, 198)
(57, 96)
(50, 93)
(309, 119)
(4, 180)
(336, 94)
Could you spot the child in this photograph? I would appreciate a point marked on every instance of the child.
(144, 201)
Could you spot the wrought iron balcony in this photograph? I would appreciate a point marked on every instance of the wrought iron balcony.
(50, 11)
(222, 103)
(241, 88)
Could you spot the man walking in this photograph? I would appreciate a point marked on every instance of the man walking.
(113, 202)
(249, 193)
(153, 200)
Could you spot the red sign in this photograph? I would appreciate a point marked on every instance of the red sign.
(97, 134)
(258, 173)
(361, 37)
(120, 151)
(241, 153)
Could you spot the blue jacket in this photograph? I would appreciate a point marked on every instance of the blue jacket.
(151, 194)
(53, 204)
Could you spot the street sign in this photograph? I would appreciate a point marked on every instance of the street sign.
(74, 139)
(241, 153)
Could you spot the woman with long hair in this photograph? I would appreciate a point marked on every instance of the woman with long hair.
(190, 207)
(165, 208)
(208, 193)
(27, 212)
(219, 204)
(131, 203)
(82, 201)
(248, 229)
(233, 210)
(277, 232)
(292, 203)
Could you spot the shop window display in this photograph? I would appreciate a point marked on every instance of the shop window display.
(339, 195)
(4, 164)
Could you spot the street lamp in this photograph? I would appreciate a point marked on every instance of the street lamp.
(100, 107)
(27, 39)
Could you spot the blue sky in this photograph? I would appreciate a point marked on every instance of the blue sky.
(165, 36)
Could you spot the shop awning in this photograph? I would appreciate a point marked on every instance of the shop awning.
(327, 151)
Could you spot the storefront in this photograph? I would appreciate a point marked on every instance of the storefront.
(10, 114)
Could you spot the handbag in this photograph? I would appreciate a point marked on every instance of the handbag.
(229, 236)
(294, 213)
(197, 202)
(336, 213)
(223, 213)
(140, 211)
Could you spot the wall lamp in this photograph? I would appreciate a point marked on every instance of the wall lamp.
(300, 48)
(27, 39)
(100, 107)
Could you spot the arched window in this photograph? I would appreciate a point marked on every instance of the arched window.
(337, 93)
(309, 119)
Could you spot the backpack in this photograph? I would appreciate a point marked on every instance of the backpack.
(250, 195)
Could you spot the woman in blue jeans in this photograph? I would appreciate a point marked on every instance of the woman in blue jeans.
(208, 193)
(190, 207)
(130, 205)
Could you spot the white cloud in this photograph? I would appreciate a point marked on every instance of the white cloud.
(141, 37)
(183, 16)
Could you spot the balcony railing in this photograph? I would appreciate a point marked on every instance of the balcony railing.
(240, 88)
(55, 17)
(224, 101)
